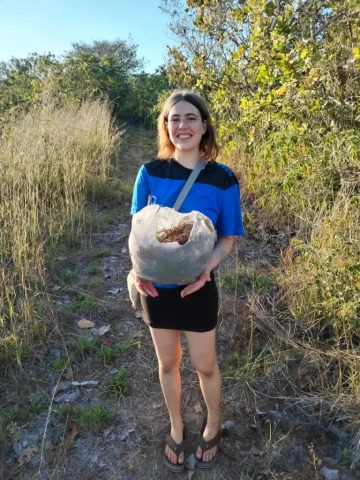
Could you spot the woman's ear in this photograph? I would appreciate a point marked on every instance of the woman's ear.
(205, 126)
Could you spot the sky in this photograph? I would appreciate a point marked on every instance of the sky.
(42, 26)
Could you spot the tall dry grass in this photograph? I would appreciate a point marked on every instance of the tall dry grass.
(49, 161)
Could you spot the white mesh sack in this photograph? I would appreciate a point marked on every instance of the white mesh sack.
(155, 257)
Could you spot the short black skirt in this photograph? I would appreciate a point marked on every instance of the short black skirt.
(196, 312)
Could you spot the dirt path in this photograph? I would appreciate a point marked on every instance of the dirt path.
(122, 436)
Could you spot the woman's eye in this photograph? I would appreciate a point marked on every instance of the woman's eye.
(191, 119)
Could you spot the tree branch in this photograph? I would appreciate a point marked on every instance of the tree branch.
(276, 17)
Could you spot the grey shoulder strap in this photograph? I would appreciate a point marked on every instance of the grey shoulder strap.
(189, 183)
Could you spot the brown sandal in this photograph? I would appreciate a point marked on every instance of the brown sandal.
(206, 445)
(177, 448)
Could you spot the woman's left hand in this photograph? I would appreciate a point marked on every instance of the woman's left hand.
(194, 287)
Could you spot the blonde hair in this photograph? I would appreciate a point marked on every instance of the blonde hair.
(208, 147)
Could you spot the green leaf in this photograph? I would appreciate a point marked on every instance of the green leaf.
(238, 14)
(356, 52)
(270, 9)
(316, 57)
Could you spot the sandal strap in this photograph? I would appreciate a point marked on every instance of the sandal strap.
(177, 448)
(206, 445)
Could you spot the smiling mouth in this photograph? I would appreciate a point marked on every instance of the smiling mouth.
(184, 137)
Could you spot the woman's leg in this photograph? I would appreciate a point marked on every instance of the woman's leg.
(168, 351)
(203, 357)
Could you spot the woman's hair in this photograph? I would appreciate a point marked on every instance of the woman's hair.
(209, 148)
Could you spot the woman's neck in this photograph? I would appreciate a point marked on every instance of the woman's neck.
(187, 159)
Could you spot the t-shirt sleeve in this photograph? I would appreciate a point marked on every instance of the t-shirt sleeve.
(230, 217)
(141, 191)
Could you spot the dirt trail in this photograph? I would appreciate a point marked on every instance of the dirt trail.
(265, 437)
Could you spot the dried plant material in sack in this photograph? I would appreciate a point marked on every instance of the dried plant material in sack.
(176, 233)
(169, 247)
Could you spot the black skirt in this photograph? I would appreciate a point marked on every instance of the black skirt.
(196, 312)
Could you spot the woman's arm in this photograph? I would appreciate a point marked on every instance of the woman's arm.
(221, 251)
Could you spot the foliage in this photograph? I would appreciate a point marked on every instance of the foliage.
(146, 89)
(124, 51)
(326, 272)
(282, 79)
(90, 418)
(103, 69)
(21, 81)
(119, 385)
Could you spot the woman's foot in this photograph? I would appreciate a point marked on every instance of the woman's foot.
(210, 432)
(177, 434)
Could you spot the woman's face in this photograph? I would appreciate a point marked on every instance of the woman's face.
(185, 126)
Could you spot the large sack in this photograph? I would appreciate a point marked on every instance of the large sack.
(170, 263)
(133, 291)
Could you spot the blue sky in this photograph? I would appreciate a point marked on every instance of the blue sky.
(41, 26)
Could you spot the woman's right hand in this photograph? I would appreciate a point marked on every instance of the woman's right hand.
(144, 287)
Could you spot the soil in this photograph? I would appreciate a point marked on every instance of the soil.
(269, 432)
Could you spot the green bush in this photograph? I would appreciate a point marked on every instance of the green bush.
(101, 70)
(324, 281)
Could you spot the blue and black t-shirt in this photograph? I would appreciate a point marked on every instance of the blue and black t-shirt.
(215, 192)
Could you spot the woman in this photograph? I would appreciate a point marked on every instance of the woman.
(185, 136)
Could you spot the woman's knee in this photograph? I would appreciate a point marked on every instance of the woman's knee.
(207, 370)
(169, 364)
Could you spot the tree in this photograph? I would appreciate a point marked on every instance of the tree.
(252, 49)
(101, 69)
(125, 51)
(21, 80)
(146, 89)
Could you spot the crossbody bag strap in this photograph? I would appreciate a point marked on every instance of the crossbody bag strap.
(189, 183)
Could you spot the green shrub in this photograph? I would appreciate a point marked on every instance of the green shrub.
(324, 283)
